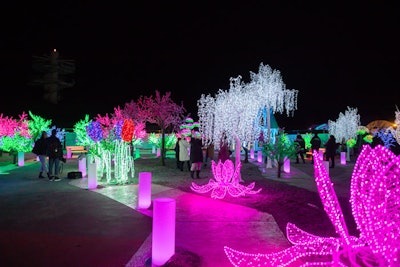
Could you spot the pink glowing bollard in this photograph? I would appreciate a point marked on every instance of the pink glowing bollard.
(343, 158)
(92, 176)
(82, 166)
(252, 153)
(158, 152)
(321, 154)
(326, 165)
(163, 234)
(144, 190)
(286, 165)
(21, 159)
(259, 156)
(69, 153)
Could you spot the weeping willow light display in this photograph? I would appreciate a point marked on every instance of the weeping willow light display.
(235, 113)
(225, 181)
(124, 162)
(375, 203)
(346, 126)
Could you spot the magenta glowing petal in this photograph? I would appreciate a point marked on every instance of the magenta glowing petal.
(374, 197)
(226, 181)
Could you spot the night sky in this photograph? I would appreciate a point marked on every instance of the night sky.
(337, 55)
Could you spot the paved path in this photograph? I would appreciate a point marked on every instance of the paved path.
(68, 225)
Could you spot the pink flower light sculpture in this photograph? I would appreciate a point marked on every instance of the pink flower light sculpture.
(226, 180)
(375, 202)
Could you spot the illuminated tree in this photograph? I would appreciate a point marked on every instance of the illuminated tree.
(37, 124)
(163, 111)
(236, 112)
(271, 94)
(346, 126)
(14, 135)
(280, 150)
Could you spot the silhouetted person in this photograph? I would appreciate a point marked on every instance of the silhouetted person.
(330, 150)
(209, 153)
(300, 148)
(223, 152)
(178, 165)
(55, 153)
(196, 156)
(315, 145)
(40, 149)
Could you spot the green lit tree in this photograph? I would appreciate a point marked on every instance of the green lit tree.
(282, 149)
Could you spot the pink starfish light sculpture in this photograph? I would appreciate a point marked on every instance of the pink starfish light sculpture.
(226, 180)
(375, 202)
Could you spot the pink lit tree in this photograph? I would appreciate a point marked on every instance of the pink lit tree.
(14, 134)
(161, 110)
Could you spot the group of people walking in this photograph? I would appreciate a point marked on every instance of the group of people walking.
(190, 154)
(331, 147)
(49, 151)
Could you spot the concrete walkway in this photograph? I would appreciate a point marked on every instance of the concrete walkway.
(203, 225)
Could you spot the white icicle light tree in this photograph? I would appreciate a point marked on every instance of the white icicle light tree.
(345, 126)
(236, 112)
(271, 93)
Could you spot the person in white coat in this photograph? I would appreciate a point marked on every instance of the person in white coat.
(184, 153)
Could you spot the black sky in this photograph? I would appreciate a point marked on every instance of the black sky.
(337, 54)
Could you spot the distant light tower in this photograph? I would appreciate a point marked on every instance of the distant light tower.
(54, 75)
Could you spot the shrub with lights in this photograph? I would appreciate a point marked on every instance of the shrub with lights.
(110, 141)
(20, 135)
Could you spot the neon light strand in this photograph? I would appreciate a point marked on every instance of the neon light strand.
(374, 198)
(226, 180)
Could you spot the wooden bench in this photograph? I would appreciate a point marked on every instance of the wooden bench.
(74, 150)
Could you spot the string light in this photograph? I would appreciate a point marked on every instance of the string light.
(375, 202)
(225, 181)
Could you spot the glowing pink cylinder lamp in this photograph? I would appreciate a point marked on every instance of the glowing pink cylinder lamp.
(69, 153)
(286, 165)
(252, 153)
(144, 190)
(326, 165)
(321, 154)
(21, 158)
(82, 166)
(259, 156)
(158, 152)
(343, 158)
(163, 234)
(92, 176)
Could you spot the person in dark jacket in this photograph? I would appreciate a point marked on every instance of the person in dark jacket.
(196, 155)
(300, 148)
(315, 145)
(178, 164)
(55, 153)
(40, 149)
(330, 150)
